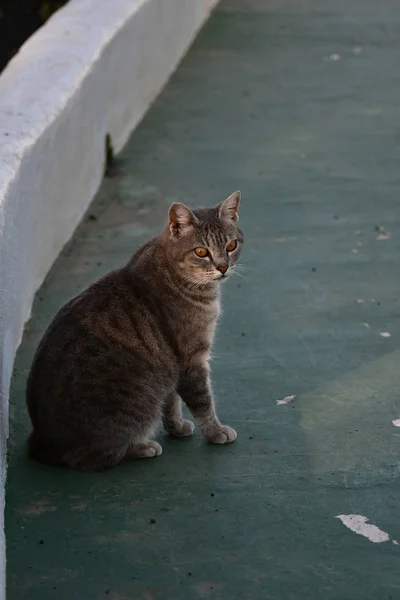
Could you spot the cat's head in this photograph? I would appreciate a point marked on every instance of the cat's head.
(205, 244)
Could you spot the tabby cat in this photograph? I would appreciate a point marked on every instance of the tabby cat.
(118, 358)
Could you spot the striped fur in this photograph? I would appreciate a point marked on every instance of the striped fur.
(118, 358)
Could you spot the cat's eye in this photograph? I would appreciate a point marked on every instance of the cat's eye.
(201, 252)
(231, 246)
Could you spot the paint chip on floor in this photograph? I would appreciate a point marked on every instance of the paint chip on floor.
(386, 334)
(384, 236)
(358, 524)
(396, 422)
(286, 400)
(360, 300)
(367, 325)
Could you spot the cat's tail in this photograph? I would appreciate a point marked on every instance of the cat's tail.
(44, 451)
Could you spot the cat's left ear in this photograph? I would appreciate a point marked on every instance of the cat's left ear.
(229, 208)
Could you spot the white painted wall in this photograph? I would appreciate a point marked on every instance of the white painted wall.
(93, 69)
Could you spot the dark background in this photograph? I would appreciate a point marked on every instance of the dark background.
(18, 20)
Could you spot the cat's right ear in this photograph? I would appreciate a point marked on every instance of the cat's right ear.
(180, 217)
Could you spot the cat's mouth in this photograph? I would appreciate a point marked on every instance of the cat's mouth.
(221, 276)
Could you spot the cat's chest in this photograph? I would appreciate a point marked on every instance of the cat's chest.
(196, 327)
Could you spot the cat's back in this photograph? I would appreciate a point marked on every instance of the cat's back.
(120, 309)
(122, 290)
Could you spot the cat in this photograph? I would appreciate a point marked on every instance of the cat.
(118, 358)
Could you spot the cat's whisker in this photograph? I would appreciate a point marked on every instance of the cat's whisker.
(239, 269)
(234, 272)
(244, 267)
(194, 284)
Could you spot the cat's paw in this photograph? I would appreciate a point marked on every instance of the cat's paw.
(221, 435)
(144, 450)
(152, 449)
(182, 429)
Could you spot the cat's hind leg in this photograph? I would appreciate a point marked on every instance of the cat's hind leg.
(173, 421)
(44, 451)
(147, 449)
(94, 458)
(100, 458)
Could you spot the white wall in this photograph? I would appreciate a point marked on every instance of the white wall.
(93, 69)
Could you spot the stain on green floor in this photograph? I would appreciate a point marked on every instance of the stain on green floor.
(296, 103)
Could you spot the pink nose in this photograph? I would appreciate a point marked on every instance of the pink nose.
(223, 269)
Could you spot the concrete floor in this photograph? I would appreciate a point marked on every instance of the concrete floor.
(295, 102)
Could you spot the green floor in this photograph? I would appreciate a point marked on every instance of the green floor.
(296, 103)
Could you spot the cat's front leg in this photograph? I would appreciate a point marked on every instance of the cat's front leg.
(195, 390)
(173, 421)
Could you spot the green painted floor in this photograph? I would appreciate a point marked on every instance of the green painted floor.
(295, 102)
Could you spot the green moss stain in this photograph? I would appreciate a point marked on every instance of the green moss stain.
(109, 155)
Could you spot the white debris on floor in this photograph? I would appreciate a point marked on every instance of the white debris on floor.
(358, 524)
(384, 236)
(286, 400)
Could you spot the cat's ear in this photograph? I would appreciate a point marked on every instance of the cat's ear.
(229, 208)
(180, 217)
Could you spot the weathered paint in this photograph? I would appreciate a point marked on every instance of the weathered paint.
(358, 524)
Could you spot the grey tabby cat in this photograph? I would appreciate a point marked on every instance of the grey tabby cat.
(118, 358)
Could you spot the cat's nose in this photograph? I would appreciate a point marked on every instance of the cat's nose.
(222, 269)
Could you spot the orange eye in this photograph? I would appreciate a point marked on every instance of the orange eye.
(202, 252)
(231, 246)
